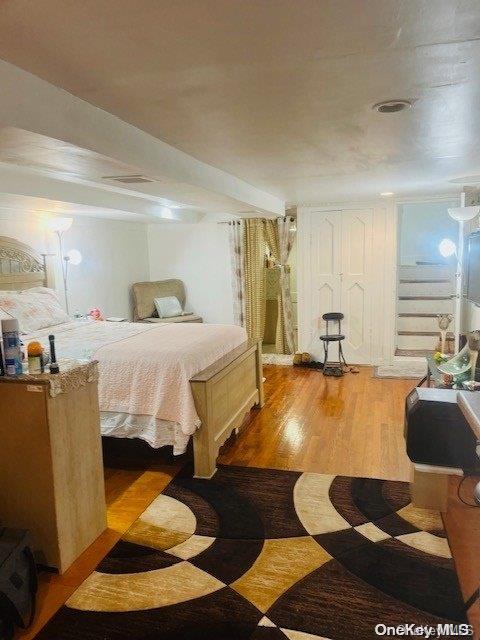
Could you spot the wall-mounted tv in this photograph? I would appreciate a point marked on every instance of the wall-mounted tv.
(473, 268)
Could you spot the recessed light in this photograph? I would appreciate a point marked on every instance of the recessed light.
(385, 194)
(392, 106)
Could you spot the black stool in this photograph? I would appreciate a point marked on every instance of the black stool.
(333, 369)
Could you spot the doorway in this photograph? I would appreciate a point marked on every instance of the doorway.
(425, 280)
(272, 291)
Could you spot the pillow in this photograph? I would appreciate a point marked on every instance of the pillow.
(36, 308)
(168, 307)
(45, 291)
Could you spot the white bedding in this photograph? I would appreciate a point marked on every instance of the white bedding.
(145, 372)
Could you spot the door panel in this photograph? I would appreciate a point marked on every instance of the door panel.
(325, 248)
(356, 284)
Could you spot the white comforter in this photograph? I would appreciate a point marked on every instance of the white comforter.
(145, 369)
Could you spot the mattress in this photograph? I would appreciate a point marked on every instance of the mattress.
(144, 389)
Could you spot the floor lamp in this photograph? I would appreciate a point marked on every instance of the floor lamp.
(448, 248)
(59, 226)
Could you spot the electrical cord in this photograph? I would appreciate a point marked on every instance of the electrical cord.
(459, 488)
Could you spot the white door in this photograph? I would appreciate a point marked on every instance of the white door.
(325, 255)
(341, 280)
(356, 285)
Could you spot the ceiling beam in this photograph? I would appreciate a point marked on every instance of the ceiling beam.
(30, 103)
(19, 181)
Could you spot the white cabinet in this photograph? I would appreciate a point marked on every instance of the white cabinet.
(341, 268)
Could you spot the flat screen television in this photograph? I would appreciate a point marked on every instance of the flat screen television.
(473, 268)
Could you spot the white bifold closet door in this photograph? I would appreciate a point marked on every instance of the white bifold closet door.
(342, 263)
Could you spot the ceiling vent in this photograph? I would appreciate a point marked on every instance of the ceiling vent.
(392, 106)
(134, 178)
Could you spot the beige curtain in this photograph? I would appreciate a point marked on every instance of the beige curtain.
(237, 255)
(286, 237)
(254, 278)
(272, 240)
(279, 237)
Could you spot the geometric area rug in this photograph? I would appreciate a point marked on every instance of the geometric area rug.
(263, 554)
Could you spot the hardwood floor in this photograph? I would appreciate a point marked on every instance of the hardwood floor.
(462, 524)
(128, 493)
(348, 426)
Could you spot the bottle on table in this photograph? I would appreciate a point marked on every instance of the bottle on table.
(12, 352)
(35, 358)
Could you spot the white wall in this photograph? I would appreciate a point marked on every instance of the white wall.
(470, 311)
(471, 316)
(199, 255)
(422, 226)
(115, 254)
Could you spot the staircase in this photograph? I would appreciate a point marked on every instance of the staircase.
(424, 290)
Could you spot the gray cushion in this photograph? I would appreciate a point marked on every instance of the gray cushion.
(144, 294)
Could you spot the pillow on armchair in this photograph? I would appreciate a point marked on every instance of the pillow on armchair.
(168, 307)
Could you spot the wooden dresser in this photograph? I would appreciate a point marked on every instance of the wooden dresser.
(51, 470)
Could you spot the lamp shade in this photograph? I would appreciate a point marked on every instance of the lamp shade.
(74, 257)
(59, 224)
(447, 248)
(462, 214)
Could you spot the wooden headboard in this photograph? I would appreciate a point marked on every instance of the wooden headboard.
(21, 267)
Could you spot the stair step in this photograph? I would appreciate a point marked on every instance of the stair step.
(423, 304)
(424, 297)
(411, 340)
(424, 288)
(450, 336)
(424, 281)
(418, 322)
(413, 353)
(422, 272)
(417, 315)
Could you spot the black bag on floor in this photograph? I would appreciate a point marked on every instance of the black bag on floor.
(18, 582)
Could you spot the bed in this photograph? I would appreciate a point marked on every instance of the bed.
(164, 383)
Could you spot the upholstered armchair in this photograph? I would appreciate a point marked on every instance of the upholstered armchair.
(144, 294)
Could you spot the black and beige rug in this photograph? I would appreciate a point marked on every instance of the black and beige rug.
(267, 555)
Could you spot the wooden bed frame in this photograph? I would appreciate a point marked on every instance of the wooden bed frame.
(223, 393)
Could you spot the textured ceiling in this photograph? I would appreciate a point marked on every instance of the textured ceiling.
(276, 92)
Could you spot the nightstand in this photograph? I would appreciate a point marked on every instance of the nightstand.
(51, 468)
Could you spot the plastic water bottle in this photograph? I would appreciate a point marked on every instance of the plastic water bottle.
(11, 347)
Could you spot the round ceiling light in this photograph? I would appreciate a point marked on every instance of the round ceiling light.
(392, 106)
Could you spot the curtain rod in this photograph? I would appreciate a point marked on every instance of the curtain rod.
(292, 219)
